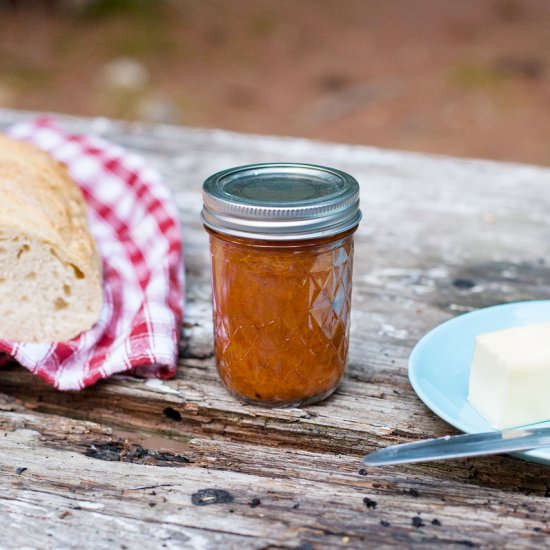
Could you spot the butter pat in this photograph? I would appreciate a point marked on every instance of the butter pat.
(510, 376)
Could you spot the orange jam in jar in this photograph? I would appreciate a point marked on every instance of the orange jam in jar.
(281, 243)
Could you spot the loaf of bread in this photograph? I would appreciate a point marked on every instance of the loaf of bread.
(50, 274)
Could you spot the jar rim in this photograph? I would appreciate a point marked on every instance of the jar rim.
(281, 201)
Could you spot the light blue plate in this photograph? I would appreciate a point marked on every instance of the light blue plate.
(439, 365)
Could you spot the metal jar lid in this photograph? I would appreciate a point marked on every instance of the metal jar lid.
(281, 201)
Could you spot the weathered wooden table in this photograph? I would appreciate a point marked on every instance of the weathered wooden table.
(125, 464)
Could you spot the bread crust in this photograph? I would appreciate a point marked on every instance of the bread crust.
(38, 196)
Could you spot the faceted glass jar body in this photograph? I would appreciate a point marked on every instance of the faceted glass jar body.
(281, 316)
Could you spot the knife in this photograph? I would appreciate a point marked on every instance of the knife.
(457, 446)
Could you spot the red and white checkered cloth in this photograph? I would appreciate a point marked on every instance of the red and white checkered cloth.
(136, 228)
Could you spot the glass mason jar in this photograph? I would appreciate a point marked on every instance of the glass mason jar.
(281, 244)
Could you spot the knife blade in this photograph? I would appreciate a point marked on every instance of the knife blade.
(457, 446)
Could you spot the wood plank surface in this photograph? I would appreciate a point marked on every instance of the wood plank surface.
(117, 465)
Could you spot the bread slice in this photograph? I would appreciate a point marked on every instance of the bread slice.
(50, 274)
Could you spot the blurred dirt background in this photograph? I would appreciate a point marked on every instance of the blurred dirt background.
(468, 77)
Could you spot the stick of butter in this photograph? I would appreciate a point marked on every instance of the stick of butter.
(510, 376)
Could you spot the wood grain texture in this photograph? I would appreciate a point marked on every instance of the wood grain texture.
(430, 223)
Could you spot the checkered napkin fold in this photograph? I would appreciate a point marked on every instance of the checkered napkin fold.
(136, 228)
